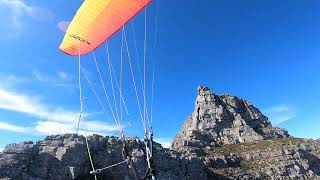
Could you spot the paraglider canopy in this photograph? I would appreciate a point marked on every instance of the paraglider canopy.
(96, 21)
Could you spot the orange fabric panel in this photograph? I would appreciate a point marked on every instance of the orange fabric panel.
(96, 21)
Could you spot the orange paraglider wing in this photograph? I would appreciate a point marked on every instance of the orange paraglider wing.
(96, 21)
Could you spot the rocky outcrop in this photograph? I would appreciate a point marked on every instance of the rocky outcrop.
(223, 119)
(238, 142)
(66, 157)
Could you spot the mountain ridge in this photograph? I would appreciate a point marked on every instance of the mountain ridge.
(225, 137)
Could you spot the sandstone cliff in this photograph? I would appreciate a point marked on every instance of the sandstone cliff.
(237, 141)
(224, 119)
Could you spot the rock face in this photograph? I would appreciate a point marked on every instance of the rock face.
(224, 138)
(223, 119)
(66, 157)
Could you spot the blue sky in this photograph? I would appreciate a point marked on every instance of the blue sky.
(264, 51)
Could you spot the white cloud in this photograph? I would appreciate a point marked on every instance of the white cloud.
(9, 80)
(88, 127)
(40, 76)
(280, 113)
(279, 108)
(53, 127)
(19, 9)
(60, 79)
(165, 142)
(12, 101)
(19, 103)
(63, 26)
(54, 120)
(99, 126)
(14, 128)
(63, 75)
(1, 149)
(40, 14)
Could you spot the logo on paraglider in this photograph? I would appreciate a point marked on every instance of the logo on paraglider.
(80, 39)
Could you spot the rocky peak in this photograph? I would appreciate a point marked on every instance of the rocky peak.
(223, 119)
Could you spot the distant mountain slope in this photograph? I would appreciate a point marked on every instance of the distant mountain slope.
(283, 158)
